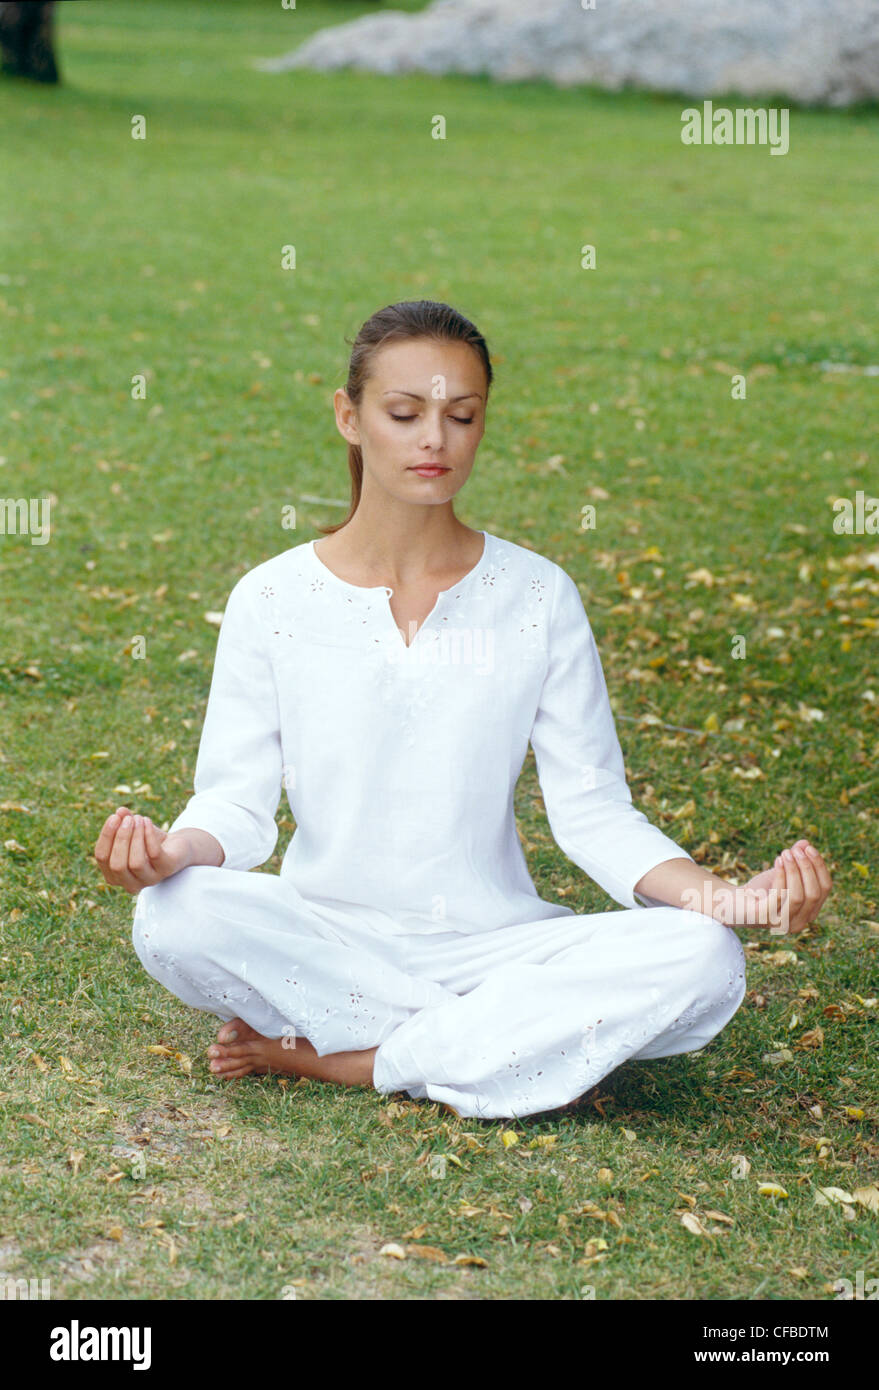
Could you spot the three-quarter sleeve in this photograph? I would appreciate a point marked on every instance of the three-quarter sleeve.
(238, 771)
(580, 763)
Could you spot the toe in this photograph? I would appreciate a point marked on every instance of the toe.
(228, 1052)
(223, 1065)
(230, 1031)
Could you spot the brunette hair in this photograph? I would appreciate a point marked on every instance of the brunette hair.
(412, 318)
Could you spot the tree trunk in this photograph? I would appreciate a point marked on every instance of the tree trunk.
(26, 40)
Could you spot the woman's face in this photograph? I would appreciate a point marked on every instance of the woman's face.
(424, 403)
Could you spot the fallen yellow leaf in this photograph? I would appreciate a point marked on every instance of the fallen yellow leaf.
(184, 1061)
(826, 1196)
(693, 1224)
(868, 1197)
(428, 1252)
(473, 1143)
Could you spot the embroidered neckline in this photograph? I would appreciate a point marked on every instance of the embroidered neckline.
(385, 588)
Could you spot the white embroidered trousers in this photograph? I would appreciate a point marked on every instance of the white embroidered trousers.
(502, 1023)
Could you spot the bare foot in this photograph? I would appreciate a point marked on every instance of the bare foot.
(240, 1050)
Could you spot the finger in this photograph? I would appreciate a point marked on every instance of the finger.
(785, 914)
(808, 875)
(108, 833)
(138, 863)
(153, 838)
(148, 873)
(804, 906)
(820, 868)
(118, 861)
(800, 915)
(817, 881)
(104, 842)
(794, 878)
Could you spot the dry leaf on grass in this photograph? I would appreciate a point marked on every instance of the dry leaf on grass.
(868, 1197)
(692, 1223)
(181, 1058)
(826, 1196)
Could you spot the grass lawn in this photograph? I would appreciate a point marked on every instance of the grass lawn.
(714, 521)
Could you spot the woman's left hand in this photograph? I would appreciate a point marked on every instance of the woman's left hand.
(802, 884)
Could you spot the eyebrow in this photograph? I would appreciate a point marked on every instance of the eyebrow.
(416, 397)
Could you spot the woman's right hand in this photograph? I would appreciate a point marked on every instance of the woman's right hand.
(132, 852)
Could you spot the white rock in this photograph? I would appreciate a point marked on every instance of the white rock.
(822, 52)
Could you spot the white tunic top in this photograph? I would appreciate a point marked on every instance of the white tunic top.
(400, 763)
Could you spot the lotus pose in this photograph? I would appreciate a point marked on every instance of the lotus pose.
(389, 677)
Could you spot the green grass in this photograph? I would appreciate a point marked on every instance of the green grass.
(163, 257)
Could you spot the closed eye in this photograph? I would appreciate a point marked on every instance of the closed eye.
(468, 421)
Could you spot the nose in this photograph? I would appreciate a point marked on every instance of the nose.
(432, 436)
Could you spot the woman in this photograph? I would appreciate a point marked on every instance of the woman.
(391, 675)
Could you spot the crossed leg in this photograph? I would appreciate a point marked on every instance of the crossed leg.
(505, 1023)
(240, 1050)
